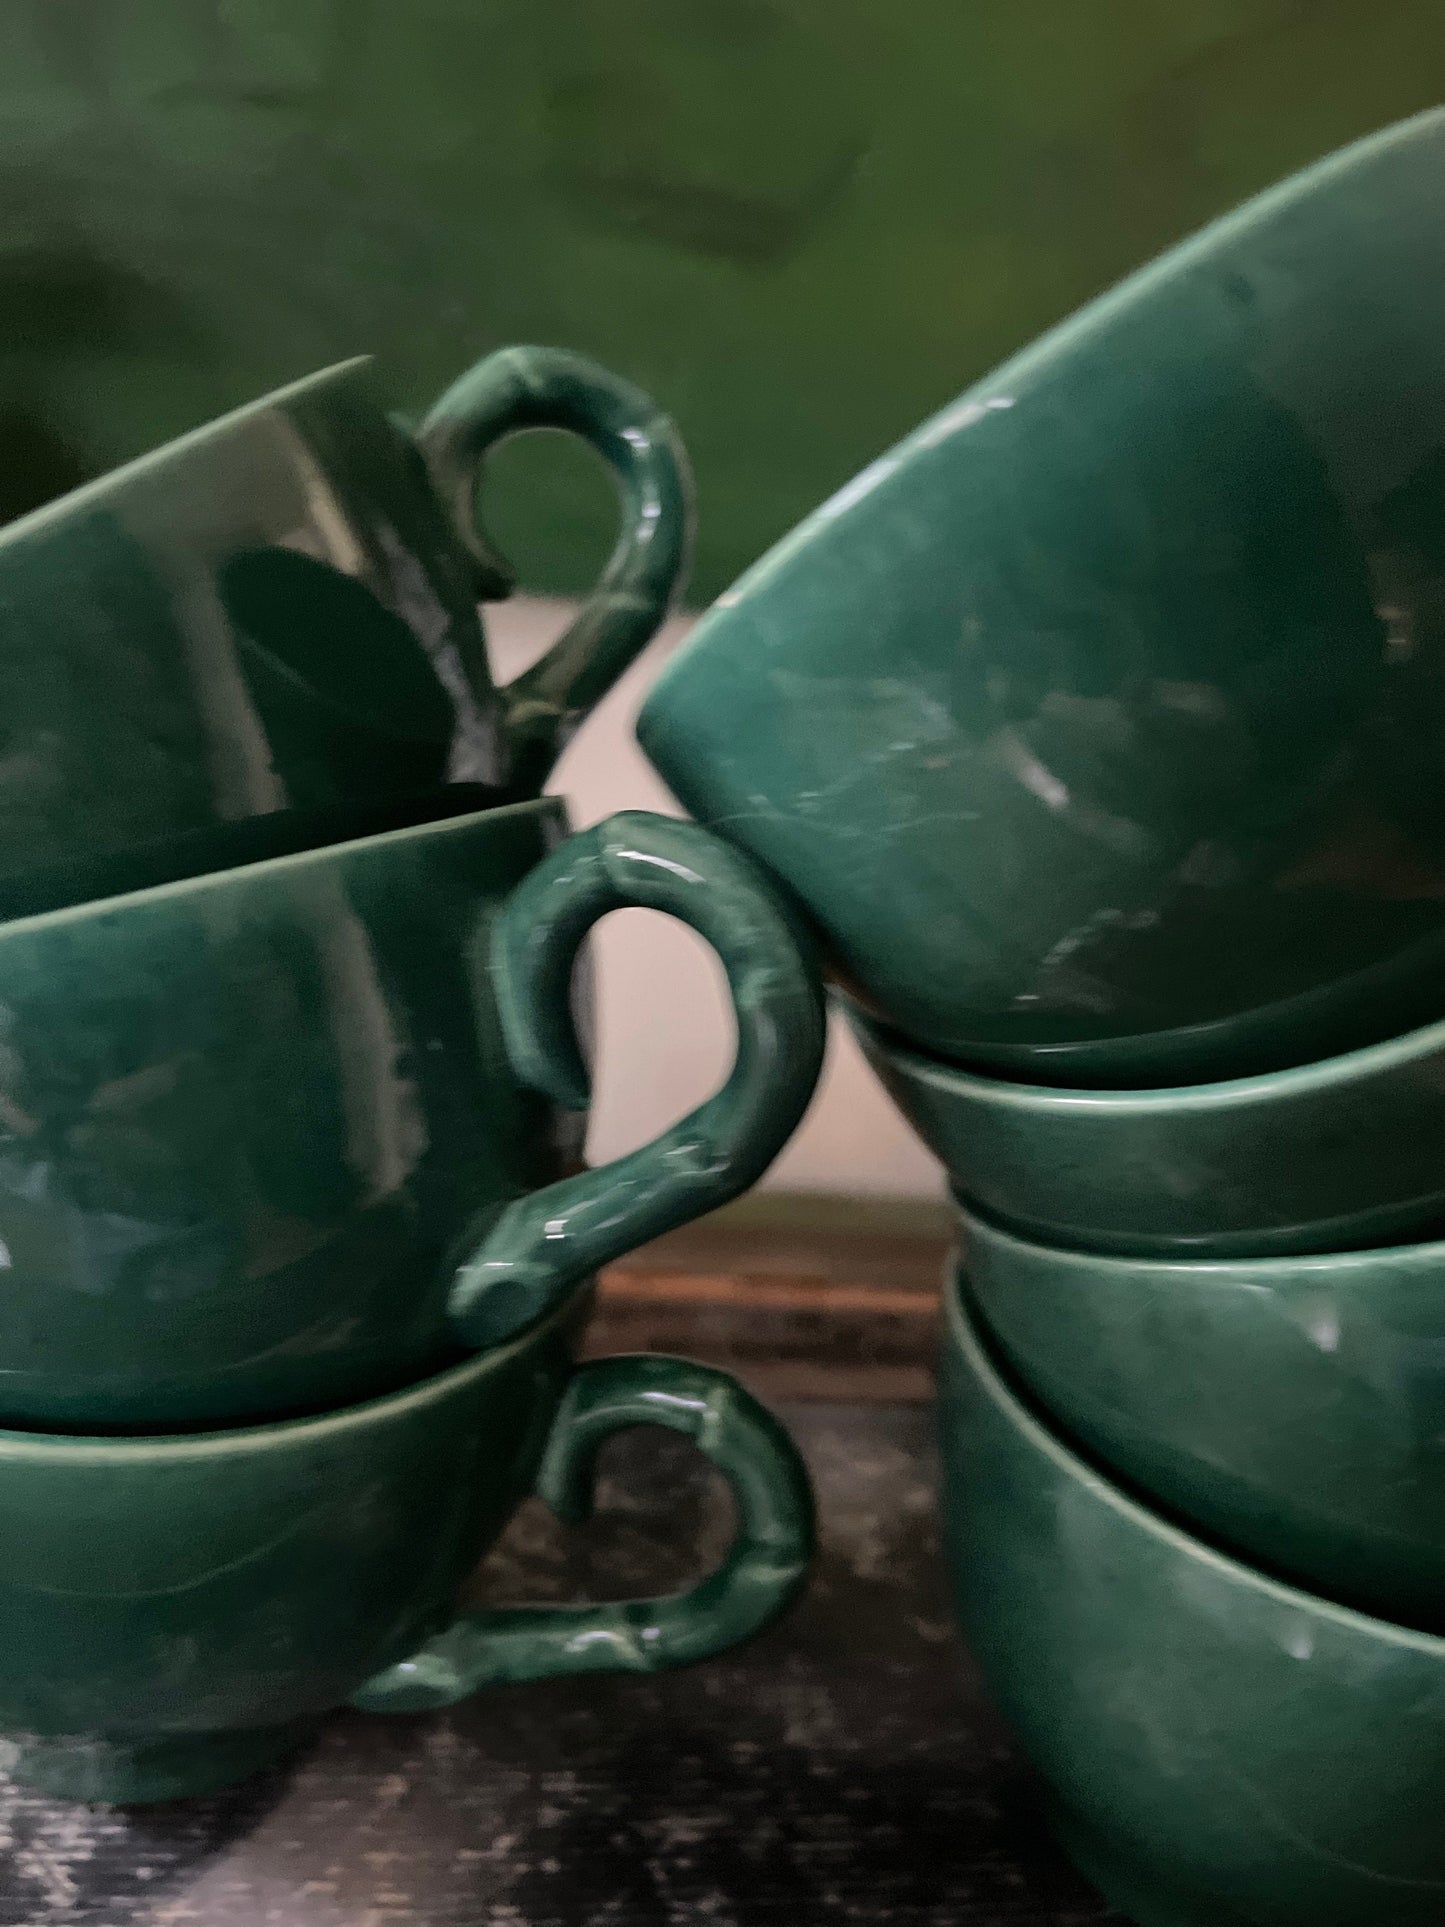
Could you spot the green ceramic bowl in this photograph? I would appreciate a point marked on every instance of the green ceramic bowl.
(1098, 724)
(1291, 1408)
(1222, 1750)
(287, 1135)
(1345, 1152)
(178, 1612)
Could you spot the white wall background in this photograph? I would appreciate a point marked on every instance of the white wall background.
(664, 1034)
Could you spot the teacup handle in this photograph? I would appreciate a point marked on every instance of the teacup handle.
(763, 1570)
(520, 388)
(551, 1240)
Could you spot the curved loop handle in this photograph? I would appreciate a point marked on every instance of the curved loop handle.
(546, 1243)
(764, 1569)
(520, 388)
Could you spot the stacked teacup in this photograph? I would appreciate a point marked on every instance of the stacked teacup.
(294, 1230)
(1098, 727)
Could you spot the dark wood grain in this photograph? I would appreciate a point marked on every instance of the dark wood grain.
(832, 1303)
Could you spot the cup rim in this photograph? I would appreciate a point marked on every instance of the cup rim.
(1411, 1256)
(115, 480)
(1365, 1060)
(317, 856)
(964, 1336)
(283, 1434)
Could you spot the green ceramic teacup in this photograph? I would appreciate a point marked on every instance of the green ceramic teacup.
(1345, 1152)
(1222, 1749)
(1291, 1408)
(177, 1612)
(1098, 724)
(276, 616)
(274, 1138)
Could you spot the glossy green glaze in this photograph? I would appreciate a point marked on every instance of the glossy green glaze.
(176, 1612)
(528, 388)
(1291, 1408)
(545, 1242)
(1097, 724)
(256, 1127)
(1223, 1750)
(1345, 1152)
(277, 614)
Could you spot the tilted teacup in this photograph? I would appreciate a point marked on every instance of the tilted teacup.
(1098, 723)
(276, 617)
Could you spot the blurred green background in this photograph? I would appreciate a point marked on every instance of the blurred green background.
(802, 223)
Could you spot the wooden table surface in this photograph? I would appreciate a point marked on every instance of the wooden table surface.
(831, 1302)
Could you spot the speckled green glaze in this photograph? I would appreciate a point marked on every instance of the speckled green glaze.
(1222, 1750)
(257, 1128)
(277, 616)
(1097, 724)
(177, 1612)
(1345, 1152)
(1291, 1408)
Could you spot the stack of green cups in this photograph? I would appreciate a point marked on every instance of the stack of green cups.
(295, 1233)
(1097, 729)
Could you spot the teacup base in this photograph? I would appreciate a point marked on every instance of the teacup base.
(92, 1767)
(1149, 1898)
